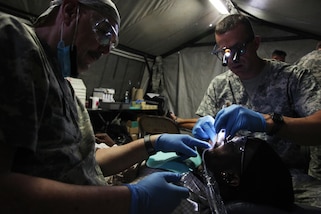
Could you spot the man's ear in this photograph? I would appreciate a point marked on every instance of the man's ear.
(257, 41)
(69, 10)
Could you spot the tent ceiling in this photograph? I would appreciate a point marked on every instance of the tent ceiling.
(157, 27)
(161, 27)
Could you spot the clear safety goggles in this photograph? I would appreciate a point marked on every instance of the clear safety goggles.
(233, 52)
(106, 34)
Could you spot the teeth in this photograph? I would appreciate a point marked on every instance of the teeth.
(220, 138)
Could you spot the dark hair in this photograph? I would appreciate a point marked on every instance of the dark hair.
(279, 53)
(318, 45)
(231, 21)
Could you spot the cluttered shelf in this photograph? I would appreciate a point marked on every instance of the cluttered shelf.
(105, 112)
(124, 114)
(120, 113)
(127, 111)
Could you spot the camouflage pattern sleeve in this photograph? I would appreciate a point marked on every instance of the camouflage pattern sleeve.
(19, 74)
(312, 61)
(224, 90)
(38, 112)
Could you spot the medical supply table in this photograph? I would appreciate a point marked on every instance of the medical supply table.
(101, 117)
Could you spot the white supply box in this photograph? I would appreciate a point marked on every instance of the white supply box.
(79, 88)
(105, 94)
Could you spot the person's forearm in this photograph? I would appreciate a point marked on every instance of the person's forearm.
(26, 194)
(187, 123)
(185, 120)
(304, 131)
(116, 159)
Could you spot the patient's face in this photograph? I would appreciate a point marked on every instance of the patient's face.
(225, 163)
(229, 152)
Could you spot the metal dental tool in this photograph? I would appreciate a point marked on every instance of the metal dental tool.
(220, 138)
(212, 192)
(214, 199)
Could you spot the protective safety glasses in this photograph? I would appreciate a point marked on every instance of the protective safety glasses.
(106, 34)
(235, 52)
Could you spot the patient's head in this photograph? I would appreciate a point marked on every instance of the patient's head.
(248, 169)
(226, 163)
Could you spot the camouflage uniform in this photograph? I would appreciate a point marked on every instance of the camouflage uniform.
(286, 89)
(38, 115)
(282, 88)
(312, 61)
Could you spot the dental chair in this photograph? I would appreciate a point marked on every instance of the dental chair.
(153, 124)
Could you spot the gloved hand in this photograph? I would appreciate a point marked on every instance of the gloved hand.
(236, 117)
(204, 128)
(183, 144)
(157, 194)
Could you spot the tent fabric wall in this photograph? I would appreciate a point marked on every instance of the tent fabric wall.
(188, 73)
(120, 72)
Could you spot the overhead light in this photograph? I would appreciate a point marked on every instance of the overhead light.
(220, 6)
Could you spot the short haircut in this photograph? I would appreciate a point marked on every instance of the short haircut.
(318, 45)
(279, 53)
(232, 21)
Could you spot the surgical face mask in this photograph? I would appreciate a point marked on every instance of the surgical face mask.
(67, 55)
(64, 58)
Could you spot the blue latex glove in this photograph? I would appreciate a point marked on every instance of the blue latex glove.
(236, 117)
(156, 193)
(204, 128)
(183, 144)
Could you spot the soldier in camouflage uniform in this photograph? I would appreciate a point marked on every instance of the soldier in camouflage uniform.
(312, 61)
(48, 161)
(267, 93)
(260, 87)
